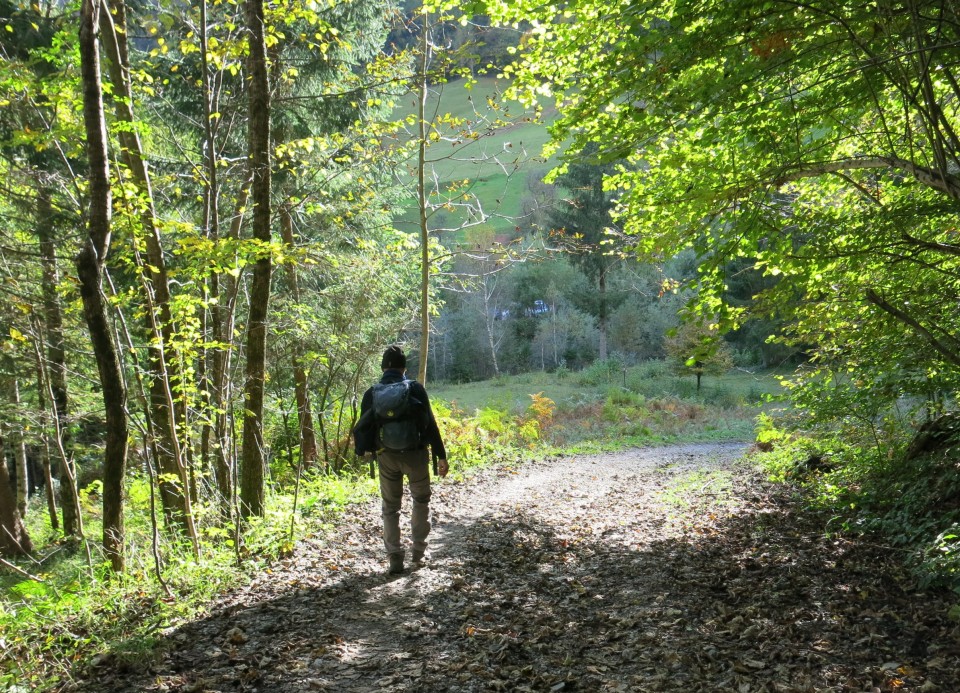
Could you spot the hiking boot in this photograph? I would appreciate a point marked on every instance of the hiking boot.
(417, 557)
(396, 563)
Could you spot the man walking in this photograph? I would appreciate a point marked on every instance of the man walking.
(397, 425)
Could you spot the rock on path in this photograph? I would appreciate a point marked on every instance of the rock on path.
(666, 569)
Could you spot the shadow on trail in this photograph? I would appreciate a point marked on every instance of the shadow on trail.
(758, 601)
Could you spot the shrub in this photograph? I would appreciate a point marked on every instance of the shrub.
(722, 397)
(493, 420)
(648, 371)
(624, 397)
(541, 409)
(601, 372)
(941, 558)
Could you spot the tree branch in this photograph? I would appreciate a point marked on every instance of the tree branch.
(949, 185)
(877, 300)
(946, 248)
(19, 571)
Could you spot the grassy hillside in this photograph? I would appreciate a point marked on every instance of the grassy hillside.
(494, 167)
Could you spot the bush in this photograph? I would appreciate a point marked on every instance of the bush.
(625, 398)
(603, 372)
(941, 558)
(874, 489)
(648, 371)
(721, 397)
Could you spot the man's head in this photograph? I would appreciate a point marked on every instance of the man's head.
(393, 357)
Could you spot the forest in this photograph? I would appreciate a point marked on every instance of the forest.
(625, 224)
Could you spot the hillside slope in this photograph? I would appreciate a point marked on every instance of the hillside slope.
(497, 166)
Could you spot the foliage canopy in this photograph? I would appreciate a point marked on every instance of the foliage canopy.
(818, 140)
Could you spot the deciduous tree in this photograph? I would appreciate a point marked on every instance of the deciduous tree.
(817, 140)
(14, 540)
(89, 262)
(258, 129)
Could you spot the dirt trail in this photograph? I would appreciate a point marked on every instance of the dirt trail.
(667, 569)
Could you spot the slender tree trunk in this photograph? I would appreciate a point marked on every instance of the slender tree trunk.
(89, 263)
(489, 317)
(422, 201)
(14, 540)
(556, 337)
(168, 415)
(48, 482)
(308, 437)
(254, 458)
(604, 318)
(211, 225)
(223, 316)
(20, 453)
(43, 408)
(56, 367)
(68, 478)
(47, 422)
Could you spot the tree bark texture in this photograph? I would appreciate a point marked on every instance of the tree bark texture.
(89, 263)
(56, 358)
(254, 454)
(20, 454)
(14, 540)
(168, 415)
(308, 436)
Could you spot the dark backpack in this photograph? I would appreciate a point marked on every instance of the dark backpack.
(398, 416)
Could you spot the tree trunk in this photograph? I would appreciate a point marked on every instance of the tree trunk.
(14, 540)
(167, 415)
(89, 263)
(489, 317)
(212, 453)
(422, 201)
(44, 430)
(223, 316)
(602, 322)
(308, 436)
(254, 459)
(56, 367)
(20, 453)
(48, 482)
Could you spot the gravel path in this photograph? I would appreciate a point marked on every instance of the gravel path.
(667, 569)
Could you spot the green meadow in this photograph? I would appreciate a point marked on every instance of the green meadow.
(652, 379)
(489, 150)
(608, 406)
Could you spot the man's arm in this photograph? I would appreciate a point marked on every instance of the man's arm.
(431, 432)
(365, 431)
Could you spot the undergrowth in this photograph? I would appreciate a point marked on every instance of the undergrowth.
(73, 609)
(873, 488)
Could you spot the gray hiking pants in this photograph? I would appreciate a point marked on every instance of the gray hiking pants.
(393, 467)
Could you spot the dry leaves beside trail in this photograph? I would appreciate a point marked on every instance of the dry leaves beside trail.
(670, 569)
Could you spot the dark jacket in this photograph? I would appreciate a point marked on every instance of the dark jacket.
(365, 433)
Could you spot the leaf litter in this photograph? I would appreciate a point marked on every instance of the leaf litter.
(652, 570)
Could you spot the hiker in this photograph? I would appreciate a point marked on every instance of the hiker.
(396, 426)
